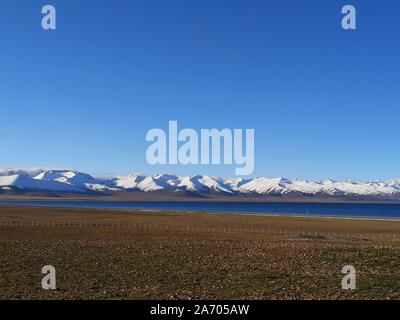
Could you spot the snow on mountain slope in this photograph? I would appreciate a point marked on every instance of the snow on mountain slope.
(128, 182)
(69, 180)
(166, 180)
(214, 184)
(234, 183)
(158, 182)
(192, 184)
(283, 186)
(259, 186)
(278, 186)
(171, 183)
(77, 179)
(364, 189)
(69, 177)
(395, 184)
(149, 184)
(265, 186)
(305, 187)
(25, 182)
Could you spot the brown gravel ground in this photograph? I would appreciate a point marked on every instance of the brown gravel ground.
(118, 263)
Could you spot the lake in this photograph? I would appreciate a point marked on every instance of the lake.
(312, 209)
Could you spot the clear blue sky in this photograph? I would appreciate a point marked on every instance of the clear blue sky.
(324, 102)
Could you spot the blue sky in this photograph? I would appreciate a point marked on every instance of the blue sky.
(324, 102)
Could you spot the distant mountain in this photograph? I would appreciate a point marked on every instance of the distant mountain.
(24, 182)
(78, 182)
(51, 180)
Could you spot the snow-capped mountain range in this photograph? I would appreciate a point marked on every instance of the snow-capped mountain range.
(52, 180)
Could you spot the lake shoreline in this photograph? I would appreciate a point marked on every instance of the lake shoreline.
(168, 197)
(200, 211)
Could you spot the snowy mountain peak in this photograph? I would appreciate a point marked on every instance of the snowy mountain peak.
(72, 181)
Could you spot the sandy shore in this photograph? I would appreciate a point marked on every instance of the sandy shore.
(196, 259)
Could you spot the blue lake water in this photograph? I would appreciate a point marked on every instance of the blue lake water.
(312, 209)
